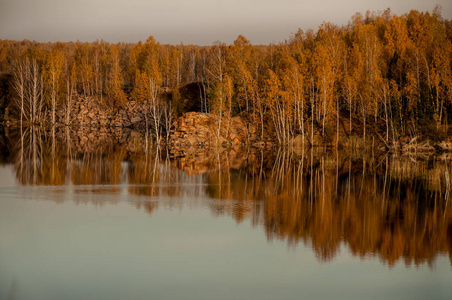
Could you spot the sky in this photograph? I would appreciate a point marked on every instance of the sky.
(199, 22)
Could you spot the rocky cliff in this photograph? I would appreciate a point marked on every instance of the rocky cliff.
(94, 114)
(202, 130)
(90, 112)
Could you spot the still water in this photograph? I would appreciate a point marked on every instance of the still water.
(125, 221)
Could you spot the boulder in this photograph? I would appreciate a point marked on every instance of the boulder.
(445, 146)
(135, 120)
(201, 130)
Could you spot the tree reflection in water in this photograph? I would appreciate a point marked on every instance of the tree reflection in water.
(390, 207)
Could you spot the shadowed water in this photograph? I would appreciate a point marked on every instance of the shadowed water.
(126, 220)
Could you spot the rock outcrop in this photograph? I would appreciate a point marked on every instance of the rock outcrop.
(91, 113)
(202, 130)
(85, 140)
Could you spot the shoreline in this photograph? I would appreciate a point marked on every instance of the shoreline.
(206, 130)
(200, 136)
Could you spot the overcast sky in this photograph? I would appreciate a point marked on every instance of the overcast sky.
(198, 22)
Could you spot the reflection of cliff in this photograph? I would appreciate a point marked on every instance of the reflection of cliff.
(42, 159)
(59, 157)
(35, 161)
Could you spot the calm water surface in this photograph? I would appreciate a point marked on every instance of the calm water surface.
(127, 222)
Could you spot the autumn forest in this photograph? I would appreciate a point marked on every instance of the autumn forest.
(381, 75)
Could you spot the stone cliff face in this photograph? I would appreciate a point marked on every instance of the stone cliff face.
(202, 130)
(85, 111)
(89, 112)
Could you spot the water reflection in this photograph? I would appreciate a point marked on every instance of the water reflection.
(393, 208)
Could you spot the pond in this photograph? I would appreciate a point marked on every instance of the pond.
(123, 220)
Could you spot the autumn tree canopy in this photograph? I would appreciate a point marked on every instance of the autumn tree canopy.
(380, 72)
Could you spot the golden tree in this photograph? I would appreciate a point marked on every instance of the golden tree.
(53, 77)
(115, 79)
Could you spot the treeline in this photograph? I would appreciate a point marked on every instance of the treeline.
(382, 71)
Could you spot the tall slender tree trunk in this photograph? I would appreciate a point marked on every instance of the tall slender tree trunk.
(68, 103)
(386, 112)
(337, 107)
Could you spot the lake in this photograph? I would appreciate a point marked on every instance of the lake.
(121, 219)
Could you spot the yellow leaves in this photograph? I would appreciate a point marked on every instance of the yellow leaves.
(333, 69)
(366, 67)
(221, 95)
(134, 57)
(396, 37)
(141, 91)
(115, 79)
(228, 87)
(325, 72)
(281, 107)
(149, 59)
(292, 79)
(53, 72)
(411, 92)
(272, 87)
(144, 61)
(151, 41)
(240, 62)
